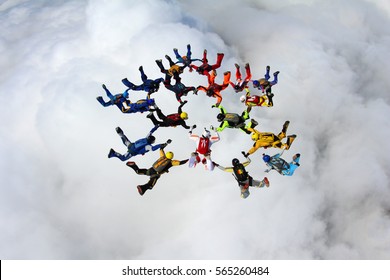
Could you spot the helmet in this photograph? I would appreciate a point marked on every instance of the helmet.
(255, 136)
(220, 117)
(169, 155)
(206, 133)
(151, 139)
(235, 162)
(184, 57)
(266, 158)
(242, 98)
(184, 115)
(256, 83)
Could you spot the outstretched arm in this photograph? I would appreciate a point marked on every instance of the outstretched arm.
(222, 126)
(152, 130)
(223, 110)
(181, 106)
(226, 169)
(183, 124)
(179, 162)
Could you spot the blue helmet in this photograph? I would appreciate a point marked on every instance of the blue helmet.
(266, 158)
(256, 83)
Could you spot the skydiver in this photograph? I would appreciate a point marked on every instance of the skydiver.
(139, 147)
(269, 140)
(170, 120)
(263, 84)
(214, 89)
(241, 84)
(250, 101)
(178, 88)
(124, 104)
(205, 68)
(148, 85)
(277, 163)
(203, 144)
(159, 167)
(242, 177)
(233, 120)
(117, 99)
(173, 68)
(185, 60)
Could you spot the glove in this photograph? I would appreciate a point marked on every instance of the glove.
(169, 141)
(194, 126)
(266, 171)
(245, 154)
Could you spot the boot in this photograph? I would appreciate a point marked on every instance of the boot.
(119, 130)
(140, 190)
(111, 153)
(254, 123)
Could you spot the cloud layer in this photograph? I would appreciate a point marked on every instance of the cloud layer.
(61, 198)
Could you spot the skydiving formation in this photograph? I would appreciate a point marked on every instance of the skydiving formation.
(172, 81)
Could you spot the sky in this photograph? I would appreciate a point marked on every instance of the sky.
(62, 198)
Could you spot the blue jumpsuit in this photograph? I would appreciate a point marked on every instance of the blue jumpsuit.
(280, 165)
(120, 100)
(148, 85)
(139, 147)
(187, 60)
(116, 99)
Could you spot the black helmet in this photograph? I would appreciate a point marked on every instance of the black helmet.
(220, 117)
(235, 162)
(151, 139)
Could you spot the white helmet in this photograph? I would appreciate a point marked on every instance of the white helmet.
(206, 133)
(243, 98)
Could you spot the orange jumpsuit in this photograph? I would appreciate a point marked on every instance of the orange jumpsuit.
(214, 89)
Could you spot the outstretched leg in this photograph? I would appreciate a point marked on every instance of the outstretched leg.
(293, 165)
(125, 140)
(219, 61)
(143, 75)
(171, 63)
(161, 66)
(248, 73)
(127, 83)
(108, 93)
(226, 79)
(153, 119)
(101, 101)
(189, 52)
(267, 76)
(123, 157)
(149, 185)
(238, 73)
(204, 59)
(290, 140)
(177, 55)
(275, 80)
